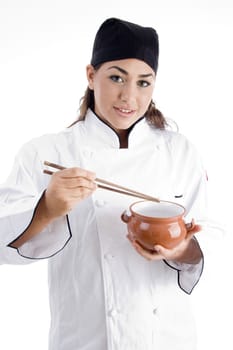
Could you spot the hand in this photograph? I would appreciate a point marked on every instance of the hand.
(67, 188)
(187, 251)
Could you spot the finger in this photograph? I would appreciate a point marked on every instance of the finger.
(76, 172)
(78, 182)
(195, 229)
(80, 193)
(130, 237)
(159, 249)
(149, 255)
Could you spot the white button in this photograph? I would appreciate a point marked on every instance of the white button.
(100, 203)
(112, 313)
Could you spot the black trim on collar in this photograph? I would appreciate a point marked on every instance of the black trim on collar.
(129, 129)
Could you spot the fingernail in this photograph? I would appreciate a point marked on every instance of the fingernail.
(156, 249)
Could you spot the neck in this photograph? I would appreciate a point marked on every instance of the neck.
(123, 138)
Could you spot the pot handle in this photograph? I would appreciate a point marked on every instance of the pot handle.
(190, 225)
(125, 217)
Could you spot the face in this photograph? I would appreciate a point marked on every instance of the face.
(122, 90)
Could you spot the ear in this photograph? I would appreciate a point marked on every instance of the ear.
(90, 72)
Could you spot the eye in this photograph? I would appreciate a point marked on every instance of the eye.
(116, 78)
(143, 83)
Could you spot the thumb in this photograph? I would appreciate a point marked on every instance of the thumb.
(195, 229)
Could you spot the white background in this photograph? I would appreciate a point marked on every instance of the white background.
(44, 48)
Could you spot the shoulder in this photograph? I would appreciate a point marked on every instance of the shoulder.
(172, 138)
(52, 144)
(48, 140)
(178, 145)
(44, 146)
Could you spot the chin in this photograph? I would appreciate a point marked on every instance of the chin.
(123, 127)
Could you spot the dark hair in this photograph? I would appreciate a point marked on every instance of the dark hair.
(153, 116)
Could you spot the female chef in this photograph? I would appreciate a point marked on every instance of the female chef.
(106, 292)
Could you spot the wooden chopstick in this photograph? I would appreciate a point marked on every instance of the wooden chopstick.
(53, 165)
(110, 185)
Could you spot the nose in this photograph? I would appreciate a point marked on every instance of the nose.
(128, 93)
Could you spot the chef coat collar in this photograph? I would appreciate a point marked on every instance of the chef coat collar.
(105, 134)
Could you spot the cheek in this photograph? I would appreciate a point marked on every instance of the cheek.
(145, 95)
(145, 101)
(102, 100)
(101, 97)
(103, 94)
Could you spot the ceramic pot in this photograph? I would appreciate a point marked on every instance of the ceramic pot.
(152, 223)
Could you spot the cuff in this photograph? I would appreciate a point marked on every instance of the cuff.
(49, 242)
(188, 275)
(45, 244)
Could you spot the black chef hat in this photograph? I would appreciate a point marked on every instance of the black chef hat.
(117, 39)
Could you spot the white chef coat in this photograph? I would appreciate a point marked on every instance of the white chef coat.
(103, 294)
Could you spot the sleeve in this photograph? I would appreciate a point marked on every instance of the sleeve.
(195, 200)
(188, 275)
(19, 197)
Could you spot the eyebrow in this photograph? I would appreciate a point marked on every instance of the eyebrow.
(123, 71)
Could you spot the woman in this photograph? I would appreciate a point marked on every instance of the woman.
(106, 291)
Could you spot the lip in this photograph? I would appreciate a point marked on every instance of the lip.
(125, 112)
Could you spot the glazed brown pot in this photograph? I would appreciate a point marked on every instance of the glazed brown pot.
(152, 223)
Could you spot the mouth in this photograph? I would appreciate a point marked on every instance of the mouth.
(124, 111)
